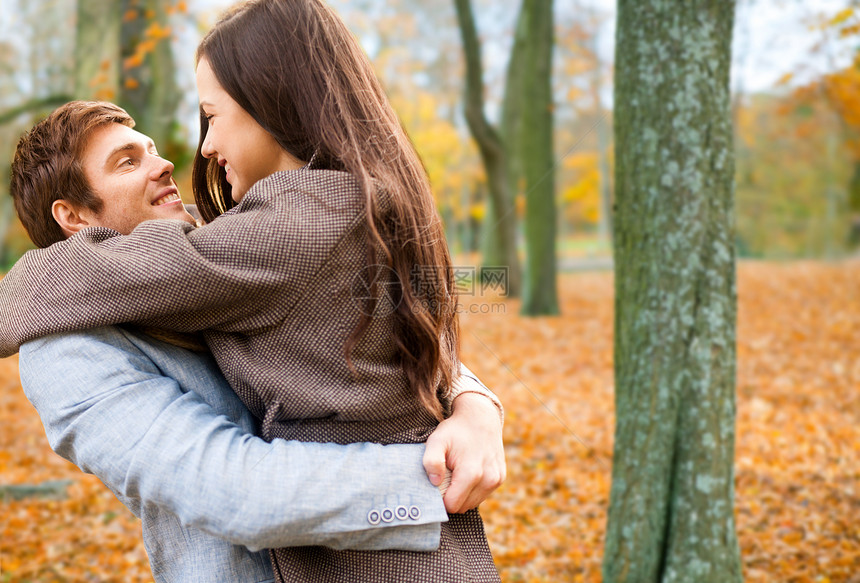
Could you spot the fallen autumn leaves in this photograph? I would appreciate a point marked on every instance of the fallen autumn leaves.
(797, 462)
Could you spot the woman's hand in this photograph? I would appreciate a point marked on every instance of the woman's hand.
(469, 443)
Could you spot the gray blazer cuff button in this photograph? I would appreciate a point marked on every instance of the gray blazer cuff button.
(401, 512)
(387, 515)
(373, 517)
(414, 512)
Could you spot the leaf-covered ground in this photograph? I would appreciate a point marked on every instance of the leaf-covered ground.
(798, 445)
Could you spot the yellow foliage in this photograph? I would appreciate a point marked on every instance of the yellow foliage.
(850, 30)
(582, 196)
(841, 16)
(478, 211)
(784, 79)
(99, 79)
(446, 153)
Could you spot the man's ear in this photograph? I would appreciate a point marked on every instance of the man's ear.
(70, 217)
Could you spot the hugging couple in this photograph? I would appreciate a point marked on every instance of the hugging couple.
(217, 372)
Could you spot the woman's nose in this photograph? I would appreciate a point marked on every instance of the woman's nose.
(206, 150)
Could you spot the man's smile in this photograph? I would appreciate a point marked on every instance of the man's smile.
(167, 197)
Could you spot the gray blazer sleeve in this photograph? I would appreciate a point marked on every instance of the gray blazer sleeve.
(108, 407)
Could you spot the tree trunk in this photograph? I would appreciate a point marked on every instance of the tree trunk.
(604, 227)
(109, 35)
(499, 229)
(150, 93)
(510, 127)
(97, 48)
(536, 136)
(854, 207)
(671, 515)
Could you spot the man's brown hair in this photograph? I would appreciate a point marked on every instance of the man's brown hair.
(47, 165)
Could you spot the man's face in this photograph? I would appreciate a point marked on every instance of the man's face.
(133, 182)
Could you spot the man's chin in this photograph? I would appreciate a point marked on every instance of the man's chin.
(176, 214)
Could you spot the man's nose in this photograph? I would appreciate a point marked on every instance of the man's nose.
(162, 168)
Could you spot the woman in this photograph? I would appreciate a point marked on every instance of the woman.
(335, 139)
(324, 289)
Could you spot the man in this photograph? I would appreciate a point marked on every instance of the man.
(160, 426)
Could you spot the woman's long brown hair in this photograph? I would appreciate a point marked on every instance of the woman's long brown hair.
(295, 67)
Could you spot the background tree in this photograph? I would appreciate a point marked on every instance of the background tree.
(123, 54)
(115, 51)
(671, 514)
(35, 67)
(97, 48)
(499, 247)
(535, 140)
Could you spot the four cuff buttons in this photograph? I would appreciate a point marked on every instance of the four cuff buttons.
(388, 515)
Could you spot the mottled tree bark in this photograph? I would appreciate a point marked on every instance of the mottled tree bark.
(97, 48)
(108, 34)
(671, 516)
(149, 91)
(540, 295)
(499, 236)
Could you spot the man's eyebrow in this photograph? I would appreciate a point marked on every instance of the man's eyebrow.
(150, 145)
(118, 150)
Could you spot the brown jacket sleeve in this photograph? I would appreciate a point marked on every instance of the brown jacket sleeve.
(241, 272)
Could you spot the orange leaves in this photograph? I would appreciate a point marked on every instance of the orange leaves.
(57, 540)
(157, 32)
(180, 7)
(798, 440)
(153, 34)
(798, 464)
(448, 158)
(546, 523)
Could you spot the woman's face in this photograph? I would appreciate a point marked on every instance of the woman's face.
(246, 151)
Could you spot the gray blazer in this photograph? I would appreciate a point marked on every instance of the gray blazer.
(161, 428)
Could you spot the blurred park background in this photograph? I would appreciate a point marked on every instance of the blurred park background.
(795, 104)
(796, 116)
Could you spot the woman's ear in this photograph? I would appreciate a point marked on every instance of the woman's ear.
(70, 218)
